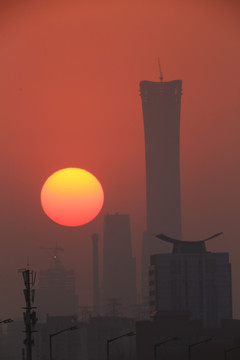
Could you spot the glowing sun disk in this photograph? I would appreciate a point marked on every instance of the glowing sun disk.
(72, 197)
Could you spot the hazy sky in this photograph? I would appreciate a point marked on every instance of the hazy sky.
(69, 84)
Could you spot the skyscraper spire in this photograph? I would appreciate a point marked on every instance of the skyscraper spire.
(160, 69)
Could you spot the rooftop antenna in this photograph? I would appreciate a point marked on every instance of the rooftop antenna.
(160, 70)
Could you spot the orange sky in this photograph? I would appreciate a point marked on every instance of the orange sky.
(70, 98)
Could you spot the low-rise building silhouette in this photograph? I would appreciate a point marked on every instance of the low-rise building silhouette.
(177, 335)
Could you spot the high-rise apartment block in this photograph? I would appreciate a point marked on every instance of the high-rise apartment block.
(119, 266)
(191, 279)
(161, 105)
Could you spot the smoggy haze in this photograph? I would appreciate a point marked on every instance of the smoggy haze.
(70, 98)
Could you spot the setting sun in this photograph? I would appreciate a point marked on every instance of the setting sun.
(72, 197)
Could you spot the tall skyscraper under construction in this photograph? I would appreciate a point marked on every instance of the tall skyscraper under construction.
(119, 266)
(161, 104)
(57, 294)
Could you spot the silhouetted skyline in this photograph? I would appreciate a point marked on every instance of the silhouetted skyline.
(70, 97)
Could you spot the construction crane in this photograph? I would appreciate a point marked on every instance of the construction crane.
(54, 253)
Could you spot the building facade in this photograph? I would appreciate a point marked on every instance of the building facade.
(161, 105)
(119, 266)
(192, 279)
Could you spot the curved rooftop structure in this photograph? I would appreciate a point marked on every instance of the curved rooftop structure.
(181, 246)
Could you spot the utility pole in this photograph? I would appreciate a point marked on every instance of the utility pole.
(29, 316)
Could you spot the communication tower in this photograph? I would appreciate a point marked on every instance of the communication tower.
(29, 315)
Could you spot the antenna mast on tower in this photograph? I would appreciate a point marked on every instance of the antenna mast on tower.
(30, 318)
(160, 70)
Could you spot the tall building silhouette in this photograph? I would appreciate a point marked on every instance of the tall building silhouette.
(96, 292)
(56, 294)
(161, 104)
(119, 266)
(192, 279)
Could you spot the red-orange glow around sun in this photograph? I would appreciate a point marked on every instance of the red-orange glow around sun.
(72, 197)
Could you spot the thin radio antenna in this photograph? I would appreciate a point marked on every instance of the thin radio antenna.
(160, 69)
